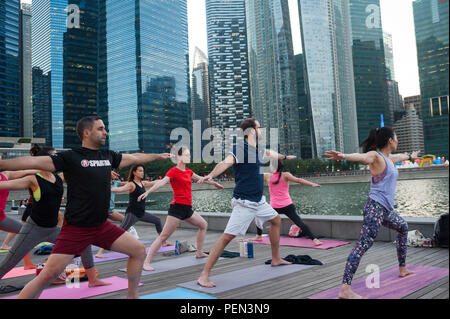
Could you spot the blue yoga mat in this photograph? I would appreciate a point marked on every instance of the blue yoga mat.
(177, 293)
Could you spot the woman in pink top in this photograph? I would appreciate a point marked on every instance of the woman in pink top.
(281, 201)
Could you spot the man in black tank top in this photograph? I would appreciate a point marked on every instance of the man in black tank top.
(87, 172)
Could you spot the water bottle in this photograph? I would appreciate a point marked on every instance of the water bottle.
(250, 249)
(241, 248)
(177, 248)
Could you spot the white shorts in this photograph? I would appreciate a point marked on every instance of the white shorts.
(245, 211)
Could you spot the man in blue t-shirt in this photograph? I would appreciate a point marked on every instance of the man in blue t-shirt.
(248, 202)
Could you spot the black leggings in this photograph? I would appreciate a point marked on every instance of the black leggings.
(131, 219)
(291, 212)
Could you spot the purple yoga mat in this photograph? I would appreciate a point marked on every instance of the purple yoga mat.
(391, 285)
(302, 242)
(115, 255)
(83, 291)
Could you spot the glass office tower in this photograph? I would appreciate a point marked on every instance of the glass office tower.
(369, 66)
(48, 27)
(144, 72)
(228, 63)
(325, 29)
(80, 68)
(272, 71)
(304, 109)
(200, 90)
(431, 26)
(9, 69)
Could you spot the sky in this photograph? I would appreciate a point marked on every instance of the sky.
(396, 16)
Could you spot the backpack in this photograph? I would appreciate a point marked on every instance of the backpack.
(441, 231)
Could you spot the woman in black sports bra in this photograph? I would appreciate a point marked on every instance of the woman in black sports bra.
(136, 210)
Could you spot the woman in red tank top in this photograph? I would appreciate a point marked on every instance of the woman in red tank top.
(180, 178)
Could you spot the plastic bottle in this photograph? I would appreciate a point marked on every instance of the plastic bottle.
(177, 248)
(250, 249)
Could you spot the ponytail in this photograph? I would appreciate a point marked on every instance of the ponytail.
(280, 169)
(377, 139)
(37, 150)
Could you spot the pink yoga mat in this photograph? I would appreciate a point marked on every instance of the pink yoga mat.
(114, 255)
(83, 291)
(18, 272)
(302, 242)
(391, 285)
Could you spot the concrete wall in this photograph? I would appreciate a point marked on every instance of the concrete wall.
(336, 227)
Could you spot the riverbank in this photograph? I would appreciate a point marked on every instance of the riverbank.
(348, 178)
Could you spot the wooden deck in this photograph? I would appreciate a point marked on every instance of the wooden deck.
(294, 286)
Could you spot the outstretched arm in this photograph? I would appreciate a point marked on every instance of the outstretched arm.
(10, 175)
(366, 158)
(195, 177)
(405, 156)
(43, 163)
(275, 155)
(19, 184)
(218, 169)
(128, 187)
(141, 158)
(148, 184)
(292, 178)
(160, 183)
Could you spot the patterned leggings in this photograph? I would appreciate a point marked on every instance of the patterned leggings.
(376, 215)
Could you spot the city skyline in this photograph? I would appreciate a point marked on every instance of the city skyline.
(400, 26)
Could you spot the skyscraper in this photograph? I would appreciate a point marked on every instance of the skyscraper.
(143, 72)
(415, 102)
(304, 109)
(326, 41)
(272, 71)
(48, 28)
(9, 69)
(369, 66)
(395, 101)
(228, 63)
(200, 90)
(42, 112)
(80, 70)
(409, 132)
(431, 27)
(26, 87)
(389, 56)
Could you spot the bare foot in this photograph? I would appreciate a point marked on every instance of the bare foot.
(5, 248)
(405, 272)
(147, 267)
(279, 262)
(200, 255)
(32, 266)
(100, 256)
(317, 242)
(257, 238)
(97, 282)
(347, 293)
(164, 244)
(205, 282)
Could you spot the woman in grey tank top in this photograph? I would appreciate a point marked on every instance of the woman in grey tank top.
(379, 207)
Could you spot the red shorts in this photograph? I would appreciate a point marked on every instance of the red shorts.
(73, 240)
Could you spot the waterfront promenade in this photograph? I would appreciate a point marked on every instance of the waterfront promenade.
(298, 285)
(320, 178)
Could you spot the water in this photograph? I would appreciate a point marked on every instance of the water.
(414, 198)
